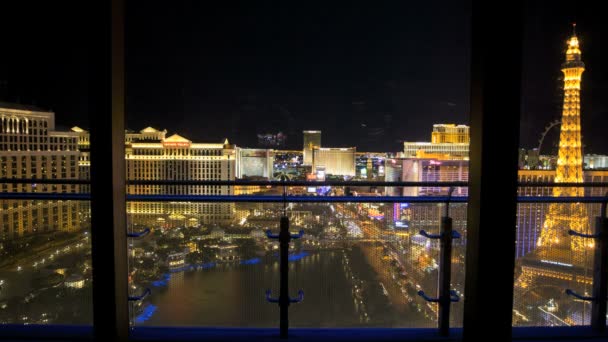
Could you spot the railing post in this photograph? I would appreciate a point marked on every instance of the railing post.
(284, 238)
(445, 275)
(600, 276)
(446, 294)
(284, 300)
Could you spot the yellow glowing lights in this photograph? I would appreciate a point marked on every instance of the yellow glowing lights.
(562, 217)
(573, 47)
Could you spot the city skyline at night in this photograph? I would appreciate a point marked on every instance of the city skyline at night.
(257, 80)
(257, 153)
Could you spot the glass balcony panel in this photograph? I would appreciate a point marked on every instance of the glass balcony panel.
(45, 262)
(549, 261)
(202, 266)
(359, 264)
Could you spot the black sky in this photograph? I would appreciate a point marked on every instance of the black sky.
(368, 74)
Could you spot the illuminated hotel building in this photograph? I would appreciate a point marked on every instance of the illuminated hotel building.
(530, 216)
(84, 160)
(393, 172)
(178, 159)
(450, 133)
(447, 141)
(148, 134)
(417, 216)
(312, 139)
(252, 162)
(426, 170)
(30, 147)
(334, 161)
(595, 161)
(150, 155)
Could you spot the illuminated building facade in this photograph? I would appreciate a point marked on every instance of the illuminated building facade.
(312, 140)
(393, 171)
(334, 161)
(530, 216)
(529, 159)
(254, 162)
(595, 162)
(178, 159)
(427, 170)
(448, 141)
(84, 160)
(272, 140)
(148, 134)
(413, 217)
(450, 133)
(30, 147)
(430, 150)
(150, 155)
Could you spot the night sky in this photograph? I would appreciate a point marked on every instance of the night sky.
(367, 76)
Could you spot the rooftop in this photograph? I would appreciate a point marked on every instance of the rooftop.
(19, 106)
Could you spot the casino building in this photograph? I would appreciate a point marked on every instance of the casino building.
(31, 147)
(151, 156)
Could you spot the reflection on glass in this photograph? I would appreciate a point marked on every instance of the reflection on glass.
(359, 264)
(45, 272)
(543, 272)
(45, 250)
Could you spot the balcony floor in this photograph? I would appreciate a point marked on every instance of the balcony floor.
(154, 334)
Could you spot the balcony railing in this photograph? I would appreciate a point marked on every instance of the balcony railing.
(440, 298)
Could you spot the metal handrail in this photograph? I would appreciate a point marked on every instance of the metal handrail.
(238, 182)
(454, 297)
(293, 183)
(139, 234)
(299, 298)
(455, 235)
(270, 235)
(586, 236)
(296, 183)
(298, 235)
(146, 293)
(429, 235)
(427, 298)
(291, 198)
(269, 297)
(570, 292)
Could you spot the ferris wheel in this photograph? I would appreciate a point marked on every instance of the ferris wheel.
(547, 130)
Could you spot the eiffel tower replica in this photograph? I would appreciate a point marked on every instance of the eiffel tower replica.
(560, 260)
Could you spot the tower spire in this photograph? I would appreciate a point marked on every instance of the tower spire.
(559, 259)
(562, 217)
